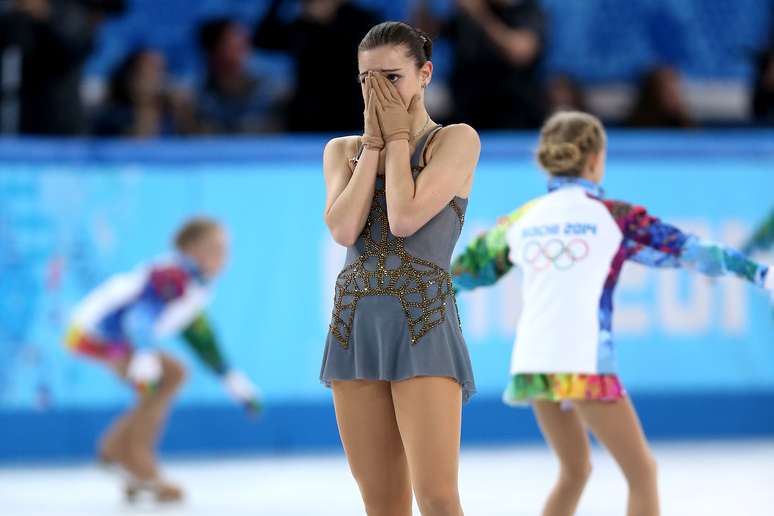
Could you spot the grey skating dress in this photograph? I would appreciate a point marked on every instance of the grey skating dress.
(394, 315)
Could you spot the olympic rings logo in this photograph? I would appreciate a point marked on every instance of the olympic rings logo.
(541, 256)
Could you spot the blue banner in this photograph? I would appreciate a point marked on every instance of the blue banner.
(72, 214)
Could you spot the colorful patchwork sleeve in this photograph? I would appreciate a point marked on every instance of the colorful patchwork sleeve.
(651, 242)
(201, 338)
(763, 238)
(485, 260)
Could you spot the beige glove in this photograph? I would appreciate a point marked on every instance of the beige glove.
(394, 116)
(372, 137)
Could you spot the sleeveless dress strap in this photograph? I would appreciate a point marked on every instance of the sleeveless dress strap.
(353, 160)
(419, 161)
(418, 158)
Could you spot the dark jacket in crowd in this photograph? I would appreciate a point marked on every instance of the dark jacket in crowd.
(327, 96)
(488, 91)
(763, 89)
(45, 58)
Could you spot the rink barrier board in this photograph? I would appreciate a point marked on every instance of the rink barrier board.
(630, 144)
(296, 427)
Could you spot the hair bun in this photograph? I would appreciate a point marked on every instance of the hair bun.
(427, 44)
(560, 157)
(567, 140)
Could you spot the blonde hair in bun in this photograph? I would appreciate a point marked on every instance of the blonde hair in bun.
(567, 139)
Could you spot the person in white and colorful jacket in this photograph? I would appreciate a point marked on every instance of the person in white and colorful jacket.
(570, 246)
(122, 323)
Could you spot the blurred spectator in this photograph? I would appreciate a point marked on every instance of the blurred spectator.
(43, 44)
(660, 101)
(232, 100)
(323, 41)
(138, 103)
(497, 46)
(763, 95)
(565, 94)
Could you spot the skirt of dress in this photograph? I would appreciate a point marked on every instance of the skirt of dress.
(562, 387)
(380, 347)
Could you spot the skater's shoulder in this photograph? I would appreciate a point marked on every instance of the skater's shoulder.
(459, 132)
(342, 146)
(171, 276)
(622, 209)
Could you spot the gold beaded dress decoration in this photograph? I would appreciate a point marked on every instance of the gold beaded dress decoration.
(385, 268)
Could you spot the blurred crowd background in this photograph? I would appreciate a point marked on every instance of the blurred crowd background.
(150, 68)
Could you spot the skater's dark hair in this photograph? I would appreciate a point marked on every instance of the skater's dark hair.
(194, 230)
(418, 44)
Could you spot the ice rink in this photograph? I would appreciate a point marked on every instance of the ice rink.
(704, 479)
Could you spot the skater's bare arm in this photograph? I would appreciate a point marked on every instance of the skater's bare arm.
(349, 191)
(411, 204)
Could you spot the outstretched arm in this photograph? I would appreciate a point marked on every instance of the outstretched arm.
(200, 336)
(652, 242)
(486, 259)
(763, 238)
(202, 340)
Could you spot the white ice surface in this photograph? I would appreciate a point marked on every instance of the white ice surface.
(696, 479)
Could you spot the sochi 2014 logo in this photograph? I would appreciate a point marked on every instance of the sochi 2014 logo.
(554, 253)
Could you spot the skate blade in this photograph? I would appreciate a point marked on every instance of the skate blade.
(150, 492)
(114, 469)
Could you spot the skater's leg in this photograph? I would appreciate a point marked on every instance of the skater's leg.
(114, 443)
(428, 411)
(366, 418)
(568, 439)
(618, 428)
(146, 422)
(131, 439)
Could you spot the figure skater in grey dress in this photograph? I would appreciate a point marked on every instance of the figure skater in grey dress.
(395, 357)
